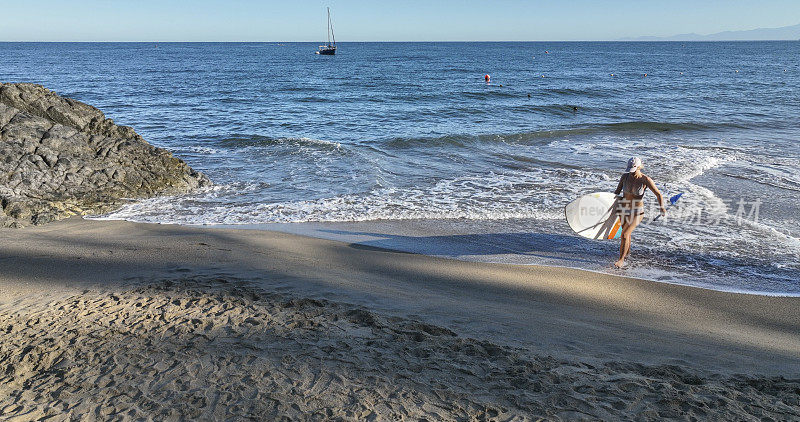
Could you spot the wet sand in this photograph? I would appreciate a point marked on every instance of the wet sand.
(117, 319)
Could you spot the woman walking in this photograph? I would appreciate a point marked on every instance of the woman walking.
(630, 207)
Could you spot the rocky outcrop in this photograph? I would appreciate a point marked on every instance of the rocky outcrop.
(60, 157)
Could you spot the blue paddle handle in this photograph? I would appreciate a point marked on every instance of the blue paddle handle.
(672, 202)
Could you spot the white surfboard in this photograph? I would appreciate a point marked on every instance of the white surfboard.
(592, 216)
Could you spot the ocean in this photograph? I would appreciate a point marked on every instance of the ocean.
(405, 146)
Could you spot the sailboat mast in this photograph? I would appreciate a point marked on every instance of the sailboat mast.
(330, 22)
(329, 26)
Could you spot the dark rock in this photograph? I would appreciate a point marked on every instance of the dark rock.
(60, 157)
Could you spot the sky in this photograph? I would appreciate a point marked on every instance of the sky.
(357, 20)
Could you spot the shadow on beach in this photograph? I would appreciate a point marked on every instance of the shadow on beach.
(539, 245)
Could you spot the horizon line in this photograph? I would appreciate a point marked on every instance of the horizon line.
(399, 41)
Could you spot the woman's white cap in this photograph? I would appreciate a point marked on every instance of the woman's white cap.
(633, 164)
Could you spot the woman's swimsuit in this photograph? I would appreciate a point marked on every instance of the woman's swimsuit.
(633, 206)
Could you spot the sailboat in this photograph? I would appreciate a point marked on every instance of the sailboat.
(329, 49)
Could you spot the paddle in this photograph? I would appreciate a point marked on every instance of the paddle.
(672, 202)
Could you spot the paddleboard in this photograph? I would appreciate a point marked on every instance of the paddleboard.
(592, 216)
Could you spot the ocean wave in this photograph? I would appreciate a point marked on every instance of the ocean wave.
(242, 140)
(549, 135)
(718, 234)
(778, 172)
(337, 209)
(782, 243)
(203, 150)
(651, 126)
(495, 92)
(548, 109)
(669, 160)
(298, 88)
(457, 70)
(496, 196)
(441, 141)
(578, 92)
(314, 99)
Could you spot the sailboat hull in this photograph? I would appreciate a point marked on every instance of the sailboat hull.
(327, 51)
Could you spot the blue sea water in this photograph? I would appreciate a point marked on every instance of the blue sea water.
(403, 145)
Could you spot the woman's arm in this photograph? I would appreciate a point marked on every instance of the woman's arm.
(619, 186)
(652, 186)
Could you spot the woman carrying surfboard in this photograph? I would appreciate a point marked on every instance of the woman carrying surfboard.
(630, 207)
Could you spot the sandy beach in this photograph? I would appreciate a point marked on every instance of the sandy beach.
(118, 320)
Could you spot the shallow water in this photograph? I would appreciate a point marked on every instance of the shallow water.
(407, 138)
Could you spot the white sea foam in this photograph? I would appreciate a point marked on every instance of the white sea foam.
(204, 150)
(710, 251)
(303, 141)
(494, 196)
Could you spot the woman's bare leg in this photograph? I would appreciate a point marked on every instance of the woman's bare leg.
(625, 244)
(624, 241)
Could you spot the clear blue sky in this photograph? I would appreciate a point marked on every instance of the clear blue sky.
(355, 20)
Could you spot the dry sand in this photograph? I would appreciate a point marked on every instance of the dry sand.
(115, 320)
